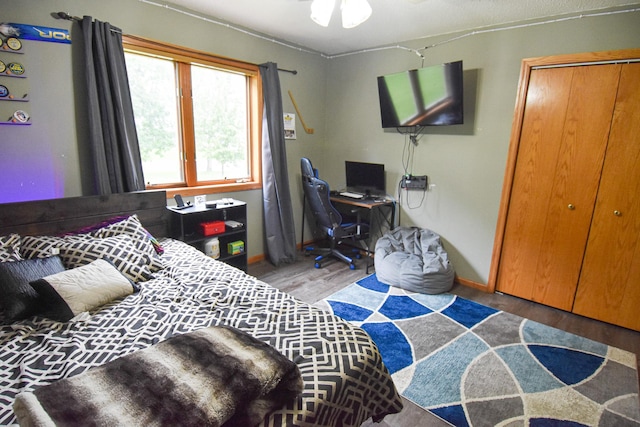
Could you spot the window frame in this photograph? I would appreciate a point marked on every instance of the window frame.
(184, 58)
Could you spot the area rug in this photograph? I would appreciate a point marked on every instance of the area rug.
(472, 365)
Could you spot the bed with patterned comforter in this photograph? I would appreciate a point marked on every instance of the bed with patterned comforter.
(345, 381)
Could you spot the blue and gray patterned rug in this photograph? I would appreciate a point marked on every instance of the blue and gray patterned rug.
(472, 365)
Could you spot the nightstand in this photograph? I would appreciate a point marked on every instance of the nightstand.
(186, 226)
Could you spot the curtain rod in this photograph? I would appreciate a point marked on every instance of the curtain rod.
(65, 15)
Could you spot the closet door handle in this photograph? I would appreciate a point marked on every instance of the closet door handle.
(571, 207)
(617, 213)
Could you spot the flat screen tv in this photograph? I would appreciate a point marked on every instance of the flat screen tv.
(366, 178)
(429, 96)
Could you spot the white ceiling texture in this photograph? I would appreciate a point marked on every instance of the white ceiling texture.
(391, 23)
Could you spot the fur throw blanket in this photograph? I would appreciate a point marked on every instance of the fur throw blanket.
(211, 377)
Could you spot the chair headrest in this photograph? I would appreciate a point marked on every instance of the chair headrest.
(306, 168)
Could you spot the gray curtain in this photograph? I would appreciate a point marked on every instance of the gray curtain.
(112, 132)
(278, 211)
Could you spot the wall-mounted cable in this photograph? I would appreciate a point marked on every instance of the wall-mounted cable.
(230, 26)
(530, 24)
(412, 137)
(418, 51)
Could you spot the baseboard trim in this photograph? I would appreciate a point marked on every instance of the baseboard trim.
(256, 258)
(461, 280)
(472, 284)
(261, 257)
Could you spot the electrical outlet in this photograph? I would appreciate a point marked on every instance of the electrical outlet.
(413, 182)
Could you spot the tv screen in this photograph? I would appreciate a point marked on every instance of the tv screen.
(365, 177)
(430, 96)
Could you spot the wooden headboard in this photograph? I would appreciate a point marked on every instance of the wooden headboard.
(56, 216)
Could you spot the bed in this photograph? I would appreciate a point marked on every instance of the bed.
(176, 292)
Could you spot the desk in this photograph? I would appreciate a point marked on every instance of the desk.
(382, 213)
(381, 216)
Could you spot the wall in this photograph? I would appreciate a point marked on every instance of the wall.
(465, 162)
(34, 164)
(338, 98)
(48, 159)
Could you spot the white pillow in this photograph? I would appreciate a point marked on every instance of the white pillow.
(71, 292)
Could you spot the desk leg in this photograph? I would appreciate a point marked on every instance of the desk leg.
(382, 220)
(304, 207)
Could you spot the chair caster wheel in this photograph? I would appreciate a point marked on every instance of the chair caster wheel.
(352, 266)
(317, 265)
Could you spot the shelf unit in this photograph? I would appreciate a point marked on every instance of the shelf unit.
(6, 73)
(185, 226)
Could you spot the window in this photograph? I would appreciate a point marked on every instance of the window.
(197, 116)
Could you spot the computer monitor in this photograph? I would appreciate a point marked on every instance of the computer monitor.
(366, 178)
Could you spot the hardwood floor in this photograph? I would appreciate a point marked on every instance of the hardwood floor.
(309, 284)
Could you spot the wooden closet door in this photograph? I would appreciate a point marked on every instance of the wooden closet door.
(562, 144)
(609, 287)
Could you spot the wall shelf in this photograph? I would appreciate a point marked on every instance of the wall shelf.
(4, 46)
(18, 76)
(23, 99)
(16, 90)
(15, 124)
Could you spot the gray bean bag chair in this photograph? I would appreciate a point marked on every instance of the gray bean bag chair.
(413, 259)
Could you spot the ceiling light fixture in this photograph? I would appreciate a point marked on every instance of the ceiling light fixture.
(354, 12)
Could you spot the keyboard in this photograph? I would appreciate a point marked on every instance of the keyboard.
(351, 195)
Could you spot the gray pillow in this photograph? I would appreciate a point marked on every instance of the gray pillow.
(18, 299)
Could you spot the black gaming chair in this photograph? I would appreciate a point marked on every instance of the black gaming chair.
(327, 217)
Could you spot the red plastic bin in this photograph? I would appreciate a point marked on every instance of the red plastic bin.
(212, 227)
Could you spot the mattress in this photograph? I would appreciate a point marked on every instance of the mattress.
(345, 381)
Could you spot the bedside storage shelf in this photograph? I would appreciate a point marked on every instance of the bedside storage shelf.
(185, 226)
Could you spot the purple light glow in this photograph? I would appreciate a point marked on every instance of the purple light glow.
(33, 178)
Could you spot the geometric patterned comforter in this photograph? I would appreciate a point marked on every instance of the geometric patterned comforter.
(345, 381)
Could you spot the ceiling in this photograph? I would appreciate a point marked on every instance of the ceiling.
(391, 23)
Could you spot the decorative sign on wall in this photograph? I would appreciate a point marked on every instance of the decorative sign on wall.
(12, 43)
(34, 32)
(289, 126)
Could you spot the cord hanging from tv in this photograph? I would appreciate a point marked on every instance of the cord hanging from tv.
(413, 132)
(429, 96)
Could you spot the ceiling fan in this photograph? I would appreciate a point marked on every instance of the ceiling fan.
(354, 12)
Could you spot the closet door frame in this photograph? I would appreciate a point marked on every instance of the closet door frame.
(590, 58)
